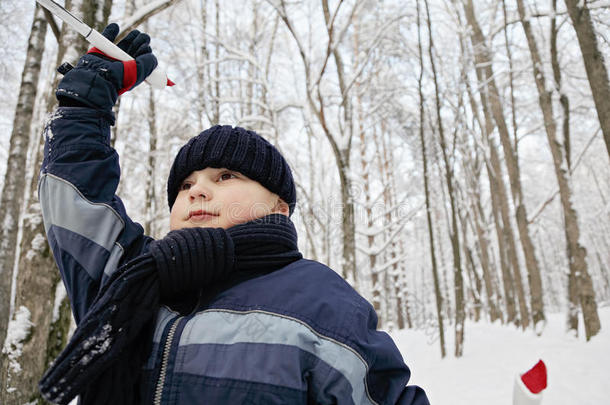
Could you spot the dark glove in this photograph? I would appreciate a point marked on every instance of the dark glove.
(98, 80)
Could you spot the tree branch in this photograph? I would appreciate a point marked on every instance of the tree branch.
(143, 14)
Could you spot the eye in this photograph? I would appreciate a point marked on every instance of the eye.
(226, 176)
(185, 186)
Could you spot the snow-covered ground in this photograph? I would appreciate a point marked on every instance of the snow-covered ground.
(578, 371)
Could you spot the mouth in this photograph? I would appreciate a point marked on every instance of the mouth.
(200, 215)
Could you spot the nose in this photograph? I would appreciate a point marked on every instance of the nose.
(199, 190)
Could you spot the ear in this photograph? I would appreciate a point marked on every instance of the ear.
(281, 207)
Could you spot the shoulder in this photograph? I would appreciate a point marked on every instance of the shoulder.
(306, 291)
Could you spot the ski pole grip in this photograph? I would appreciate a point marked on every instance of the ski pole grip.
(158, 78)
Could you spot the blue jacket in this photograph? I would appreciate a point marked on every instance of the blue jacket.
(299, 335)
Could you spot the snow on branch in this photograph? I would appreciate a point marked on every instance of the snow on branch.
(143, 14)
(394, 208)
(373, 46)
(388, 264)
(376, 250)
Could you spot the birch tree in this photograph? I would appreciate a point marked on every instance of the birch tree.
(39, 292)
(37, 277)
(13, 191)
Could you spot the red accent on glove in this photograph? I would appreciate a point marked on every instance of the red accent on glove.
(95, 50)
(130, 75)
(535, 378)
(130, 71)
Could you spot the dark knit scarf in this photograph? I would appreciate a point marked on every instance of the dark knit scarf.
(103, 359)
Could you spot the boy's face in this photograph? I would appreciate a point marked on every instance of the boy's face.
(221, 198)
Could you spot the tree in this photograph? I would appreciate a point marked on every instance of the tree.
(38, 278)
(341, 142)
(594, 63)
(437, 290)
(453, 227)
(576, 252)
(14, 188)
(490, 94)
(39, 287)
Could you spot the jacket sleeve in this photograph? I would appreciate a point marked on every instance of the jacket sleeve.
(86, 224)
(387, 374)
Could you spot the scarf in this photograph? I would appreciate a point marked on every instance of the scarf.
(103, 360)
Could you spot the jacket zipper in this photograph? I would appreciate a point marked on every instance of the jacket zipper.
(166, 352)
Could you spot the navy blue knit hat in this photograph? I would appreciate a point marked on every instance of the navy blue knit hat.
(235, 149)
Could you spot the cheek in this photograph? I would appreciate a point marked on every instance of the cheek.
(173, 219)
(176, 213)
(252, 205)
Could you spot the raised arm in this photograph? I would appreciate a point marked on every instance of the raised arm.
(87, 227)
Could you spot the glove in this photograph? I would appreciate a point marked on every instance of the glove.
(98, 80)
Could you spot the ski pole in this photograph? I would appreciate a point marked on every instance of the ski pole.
(158, 79)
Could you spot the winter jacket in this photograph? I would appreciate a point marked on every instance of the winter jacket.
(298, 335)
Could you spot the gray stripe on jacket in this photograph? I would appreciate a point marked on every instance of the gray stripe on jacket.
(219, 326)
(65, 206)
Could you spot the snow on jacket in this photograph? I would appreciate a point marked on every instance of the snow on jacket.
(299, 335)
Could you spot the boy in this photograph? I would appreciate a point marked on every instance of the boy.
(245, 319)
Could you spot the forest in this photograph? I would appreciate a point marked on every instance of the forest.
(451, 156)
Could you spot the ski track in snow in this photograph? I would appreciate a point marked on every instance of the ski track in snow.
(578, 371)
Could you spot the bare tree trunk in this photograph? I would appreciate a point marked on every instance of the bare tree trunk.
(13, 191)
(550, 290)
(216, 114)
(576, 252)
(572, 315)
(507, 277)
(37, 280)
(475, 285)
(395, 296)
(349, 228)
(511, 82)
(481, 243)
(340, 143)
(454, 235)
(376, 285)
(39, 288)
(488, 280)
(203, 70)
(13, 194)
(422, 139)
(369, 222)
(151, 178)
(507, 229)
(402, 299)
(472, 170)
(487, 84)
(594, 63)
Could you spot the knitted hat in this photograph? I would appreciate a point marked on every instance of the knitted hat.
(235, 149)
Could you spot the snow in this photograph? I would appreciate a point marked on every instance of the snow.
(47, 124)
(142, 11)
(38, 244)
(60, 294)
(494, 355)
(96, 345)
(18, 330)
